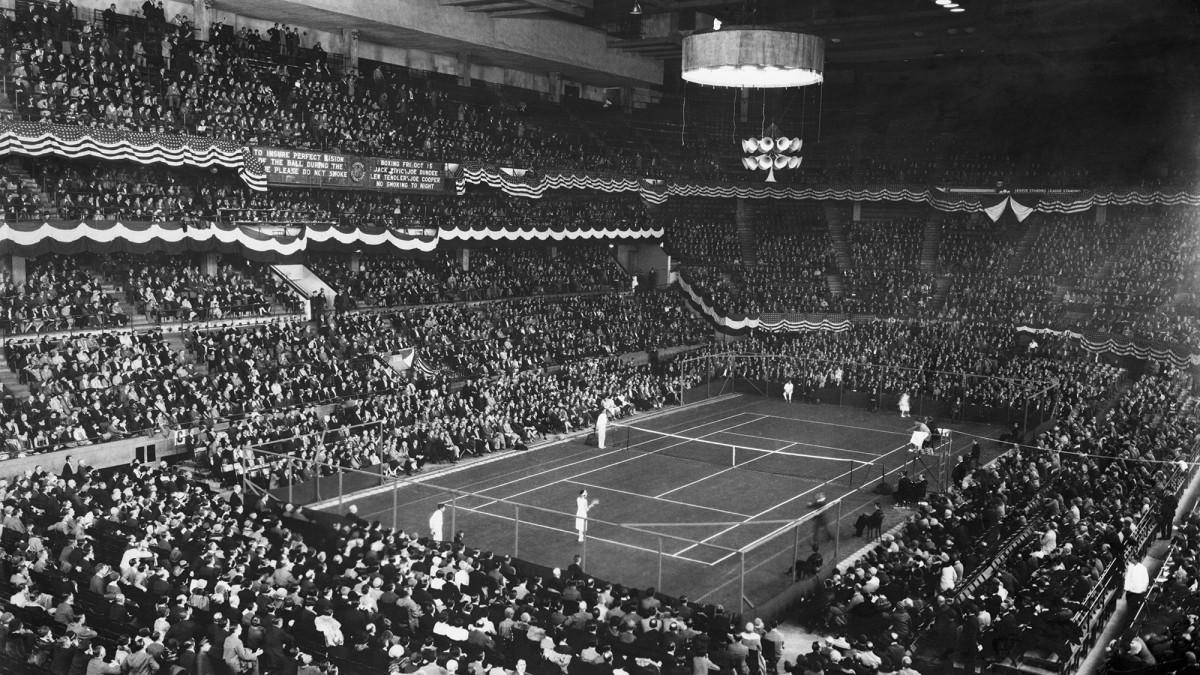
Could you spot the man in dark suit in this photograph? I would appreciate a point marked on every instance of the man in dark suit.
(1166, 513)
(275, 643)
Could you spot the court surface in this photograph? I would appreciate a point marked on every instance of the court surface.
(708, 520)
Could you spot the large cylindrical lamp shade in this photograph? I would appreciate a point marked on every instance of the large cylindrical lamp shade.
(753, 57)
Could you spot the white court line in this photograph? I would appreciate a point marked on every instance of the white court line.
(447, 470)
(776, 506)
(766, 453)
(589, 458)
(805, 444)
(660, 499)
(835, 563)
(528, 523)
(569, 479)
(835, 424)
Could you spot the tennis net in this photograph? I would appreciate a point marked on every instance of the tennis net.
(782, 460)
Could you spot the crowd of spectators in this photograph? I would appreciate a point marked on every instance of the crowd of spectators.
(142, 570)
(175, 288)
(1076, 496)
(390, 281)
(104, 386)
(885, 276)
(1162, 636)
(793, 258)
(98, 191)
(703, 231)
(959, 364)
(484, 340)
(58, 294)
(154, 76)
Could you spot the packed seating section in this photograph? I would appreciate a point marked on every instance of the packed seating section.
(280, 87)
(1004, 563)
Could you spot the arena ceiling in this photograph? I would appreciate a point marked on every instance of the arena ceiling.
(856, 31)
(859, 31)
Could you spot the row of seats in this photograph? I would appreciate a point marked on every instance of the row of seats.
(280, 89)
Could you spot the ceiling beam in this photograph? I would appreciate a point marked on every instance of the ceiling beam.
(516, 8)
(569, 7)
(477, 3)
(521, 13)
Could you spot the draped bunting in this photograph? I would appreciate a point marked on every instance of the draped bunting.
(546, 235)
(35, 238)
(773, 323)
(34, 139)
(1104, 343)
(1020, 210)
(328, 234)
(994, 212)
(1084, 202)
(522, 183)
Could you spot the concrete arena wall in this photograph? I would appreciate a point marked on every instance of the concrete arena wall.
(98, 456)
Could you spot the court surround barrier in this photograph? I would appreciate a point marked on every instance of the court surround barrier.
(659, 554)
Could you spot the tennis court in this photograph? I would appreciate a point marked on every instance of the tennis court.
(705, 501)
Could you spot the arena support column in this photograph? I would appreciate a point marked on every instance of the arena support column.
(350, 46)
(18, 269)
(464, 69)
(202, 11)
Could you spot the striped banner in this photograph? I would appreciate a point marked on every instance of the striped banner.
(26, 138)
(70, 236)
(1079, 204)
(1104, 343)
(770, 322)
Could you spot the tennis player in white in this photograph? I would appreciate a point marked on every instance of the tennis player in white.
(788, 388)
(582, 506)
(435, 523)
(601, 428)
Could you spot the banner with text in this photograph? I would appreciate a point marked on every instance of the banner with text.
(333, 170)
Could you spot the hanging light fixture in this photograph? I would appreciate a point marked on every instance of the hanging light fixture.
(636, 10)
(753, 57)
(769, 154)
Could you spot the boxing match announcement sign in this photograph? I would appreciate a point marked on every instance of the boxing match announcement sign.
(308, 168)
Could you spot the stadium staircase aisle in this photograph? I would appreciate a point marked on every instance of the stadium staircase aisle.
(835, 222)
(14, 167)
(1022, 250)
(305, 281)
(836, 285)
(11, 382)
(747, 216)
(929, 246)
(941, 292)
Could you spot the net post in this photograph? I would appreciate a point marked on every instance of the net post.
(516, 531)
(660, 564)
(341, 496)
(291, 469)
(837, 535)
(851, 473)
(796, 556)
(733, 455)
(382, 464)
(453, 516)
(395, 506)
